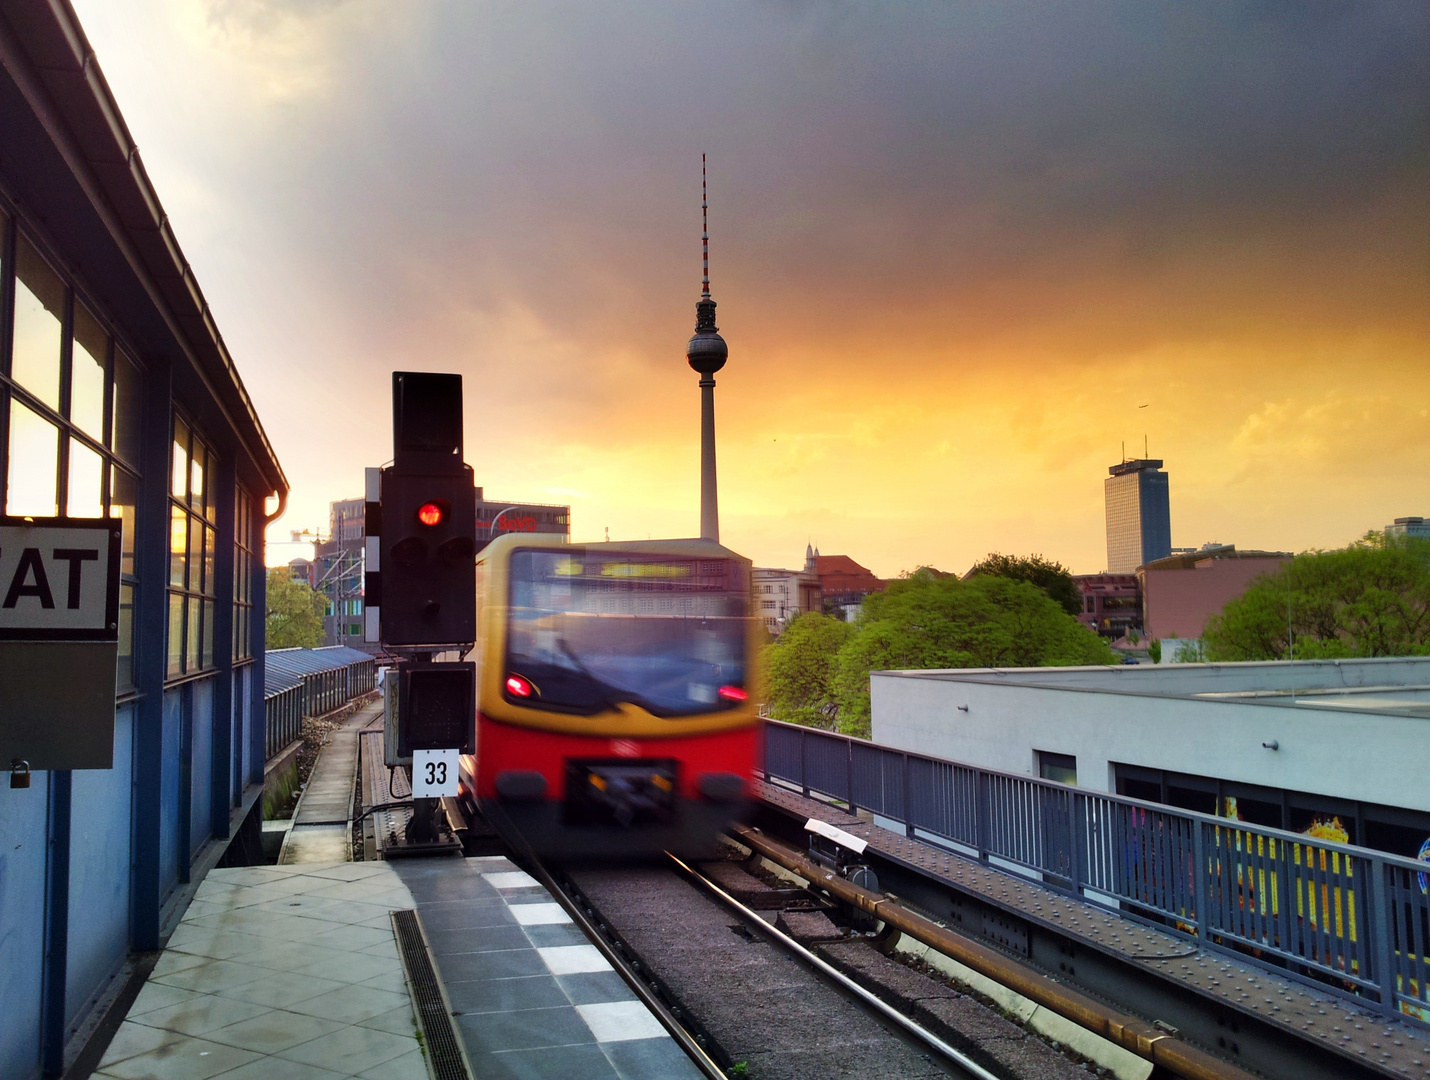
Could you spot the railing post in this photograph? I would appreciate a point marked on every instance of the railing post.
(1200, 881)
(1382, 940)
(849, 775)
(982, 808)
(908, 799)
(1075, 834)
(803, 771)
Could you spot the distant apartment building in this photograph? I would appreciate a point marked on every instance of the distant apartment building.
(496, 517)
(1111, 604)
(338, 566)
(780, 595)
(843, 582)
(1413, 527)
(1181, 592)
(1139, 524)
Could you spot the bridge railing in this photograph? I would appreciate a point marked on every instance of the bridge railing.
(1356, 919)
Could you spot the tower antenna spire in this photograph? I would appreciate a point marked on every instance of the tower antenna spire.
(704, 234)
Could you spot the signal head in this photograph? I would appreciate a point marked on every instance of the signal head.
(431, 513)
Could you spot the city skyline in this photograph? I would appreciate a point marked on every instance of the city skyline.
(955, 279)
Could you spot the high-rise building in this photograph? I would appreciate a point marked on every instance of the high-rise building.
(1139, 524)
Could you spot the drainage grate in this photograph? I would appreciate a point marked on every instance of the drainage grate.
(443, 1051)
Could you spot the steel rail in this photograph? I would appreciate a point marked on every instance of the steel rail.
(789, 944)
(1122, 1029)
(648, 998)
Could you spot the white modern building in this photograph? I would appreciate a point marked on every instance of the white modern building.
(1296, 745)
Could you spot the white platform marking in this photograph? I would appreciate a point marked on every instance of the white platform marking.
(573, 959)
(538, 914)
(620, 1021)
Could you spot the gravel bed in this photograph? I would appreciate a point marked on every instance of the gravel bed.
(761, 1007)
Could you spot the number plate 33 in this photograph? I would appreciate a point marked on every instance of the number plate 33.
(434, 773)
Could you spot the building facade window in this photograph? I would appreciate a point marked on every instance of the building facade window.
(69, 412)
(192, 538)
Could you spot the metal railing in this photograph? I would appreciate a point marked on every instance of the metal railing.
(1354, 919)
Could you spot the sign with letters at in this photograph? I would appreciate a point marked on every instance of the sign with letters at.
(59, 635)
(59, 581)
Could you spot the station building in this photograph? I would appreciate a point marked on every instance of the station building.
(1335, 748)
(118, 399)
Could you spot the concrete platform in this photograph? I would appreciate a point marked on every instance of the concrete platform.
(529, 995)
(277, 973)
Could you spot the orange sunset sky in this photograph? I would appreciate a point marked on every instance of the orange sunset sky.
(962, 253)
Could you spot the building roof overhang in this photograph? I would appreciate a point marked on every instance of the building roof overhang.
(72, 165)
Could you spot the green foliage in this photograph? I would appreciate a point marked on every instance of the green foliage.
(1154, 650)
(929, 621)
(819, 670)
(295, 613)
(1370, 599)
(1053, 578)
(799, 670)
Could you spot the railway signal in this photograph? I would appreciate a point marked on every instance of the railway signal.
(428, 518)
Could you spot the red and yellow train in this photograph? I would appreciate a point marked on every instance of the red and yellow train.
(614, 709)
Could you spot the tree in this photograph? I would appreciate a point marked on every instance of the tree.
(1053, 578)
(1370, 599)
(295, 613)
(799, 670)
(930, 621)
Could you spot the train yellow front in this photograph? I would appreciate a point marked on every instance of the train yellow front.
(614, 709)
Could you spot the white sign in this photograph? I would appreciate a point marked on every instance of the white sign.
(434, 773)
(59, 580)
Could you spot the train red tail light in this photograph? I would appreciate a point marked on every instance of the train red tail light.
(733, 693)
(430, 513)
(516, 686)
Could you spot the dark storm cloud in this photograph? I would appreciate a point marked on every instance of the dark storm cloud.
(865, 153)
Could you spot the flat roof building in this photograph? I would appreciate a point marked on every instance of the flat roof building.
(1181, 592)
(495, 517)
(1139, 524)
(1332, 745)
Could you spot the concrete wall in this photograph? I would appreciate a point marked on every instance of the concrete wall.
(1336, 752)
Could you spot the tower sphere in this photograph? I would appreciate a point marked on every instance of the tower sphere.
(707, 352)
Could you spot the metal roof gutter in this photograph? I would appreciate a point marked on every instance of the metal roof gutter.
(45, 52)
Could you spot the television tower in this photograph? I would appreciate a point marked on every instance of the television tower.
(707, 353)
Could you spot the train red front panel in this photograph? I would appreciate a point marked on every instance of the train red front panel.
(503, 746)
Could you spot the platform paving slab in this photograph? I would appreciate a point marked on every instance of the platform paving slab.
(271, 976)
(530, 996)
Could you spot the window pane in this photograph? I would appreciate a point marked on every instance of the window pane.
(122, 493)
(196, 476)
(125, 438)
(83, 499)
(39, 315)
(209, 585)
(208, 633)
(178, 546)
(176, 634)
(91, 348)
(180, 472)
(34, 464)
(192, 650)
(124, 676)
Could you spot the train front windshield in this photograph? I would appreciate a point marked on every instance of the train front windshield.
(586, 633)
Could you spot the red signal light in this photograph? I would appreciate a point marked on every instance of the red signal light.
(517, 686)
(430, 514)
(733, 693)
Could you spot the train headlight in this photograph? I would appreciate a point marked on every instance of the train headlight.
(516, 686)
(734, 693)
